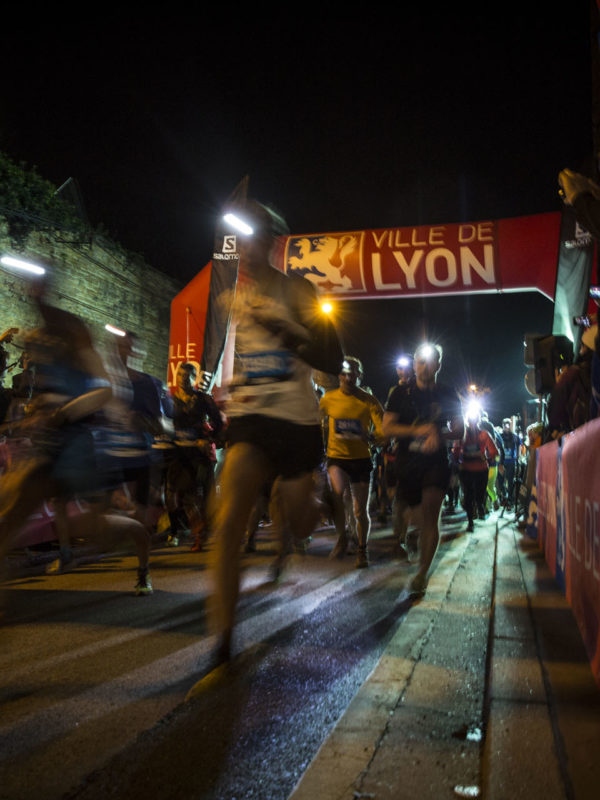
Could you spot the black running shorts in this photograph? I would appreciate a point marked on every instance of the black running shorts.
(291, 449)
(357, 469)
(415, 472)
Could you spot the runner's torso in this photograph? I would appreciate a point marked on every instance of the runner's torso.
(268, 378)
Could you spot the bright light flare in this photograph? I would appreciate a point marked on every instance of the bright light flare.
(473, 411)
(326, 307)
(25, 266)
(427, 352)
(116, 331)
(238, 224)
(403, 362)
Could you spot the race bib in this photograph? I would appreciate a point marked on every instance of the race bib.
(264, 367)
(348, 428)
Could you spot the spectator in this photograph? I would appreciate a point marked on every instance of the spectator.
(569, 402)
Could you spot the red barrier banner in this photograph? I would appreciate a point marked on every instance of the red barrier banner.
(581, 501)
(516, 254)
(568, 496)
(546, 489)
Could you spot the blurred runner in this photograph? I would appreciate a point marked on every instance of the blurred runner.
(71, 389)
(273, 416)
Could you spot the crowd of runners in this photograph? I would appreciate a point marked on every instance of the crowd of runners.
(298, 437)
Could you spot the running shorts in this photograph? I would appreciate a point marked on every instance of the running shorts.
(357, 469)
(291, 449)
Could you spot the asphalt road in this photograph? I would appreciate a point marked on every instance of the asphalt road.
(93, 677)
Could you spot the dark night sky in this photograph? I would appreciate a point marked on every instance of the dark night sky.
(369, 120)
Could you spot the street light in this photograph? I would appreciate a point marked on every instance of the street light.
(238, 224)
(24, 266)
(117, 331)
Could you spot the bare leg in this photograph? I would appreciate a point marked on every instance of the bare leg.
(400, 519)
(431, 506)
(339, 482)
(128, 526)
(257, 513)
(360, 505)
(244, 473)
(280, 527)
(99, 523)
(351, 525)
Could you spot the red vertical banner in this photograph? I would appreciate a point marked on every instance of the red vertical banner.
(188, 323)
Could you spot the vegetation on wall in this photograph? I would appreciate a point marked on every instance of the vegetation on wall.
(29, 202)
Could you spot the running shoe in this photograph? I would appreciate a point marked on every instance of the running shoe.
(418, 586)
(144, 584)
(57, 567)
(415, 590)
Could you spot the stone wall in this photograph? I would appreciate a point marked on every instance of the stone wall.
(98, 281)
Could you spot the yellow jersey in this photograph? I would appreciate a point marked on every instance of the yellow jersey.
(350, 419)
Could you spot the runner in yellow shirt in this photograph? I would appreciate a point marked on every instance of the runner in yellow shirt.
(352, 419)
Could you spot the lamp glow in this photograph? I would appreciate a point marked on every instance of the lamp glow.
(25, 266)
(116, 331)
(426, 351)
(238, 224)
(473, 410)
